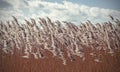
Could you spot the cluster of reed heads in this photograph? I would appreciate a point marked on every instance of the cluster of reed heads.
(34, 38)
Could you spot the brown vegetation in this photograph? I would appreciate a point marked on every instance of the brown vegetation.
(53, 47)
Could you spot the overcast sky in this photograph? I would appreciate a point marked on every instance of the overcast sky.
(75, 11)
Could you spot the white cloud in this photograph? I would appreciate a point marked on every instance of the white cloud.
(70, 11)
(16, 3)
(66, 11)
(34, 3)
(6, 15)
(95, 11)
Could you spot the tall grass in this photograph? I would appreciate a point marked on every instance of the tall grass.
(70, 40)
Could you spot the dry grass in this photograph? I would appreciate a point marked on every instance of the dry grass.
(51, 47)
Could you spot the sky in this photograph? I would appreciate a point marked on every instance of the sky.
(75, 11)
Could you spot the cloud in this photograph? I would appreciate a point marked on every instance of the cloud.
(69, 11)
(65, 11)
(16, 3)
(7, 15)
(34, 3)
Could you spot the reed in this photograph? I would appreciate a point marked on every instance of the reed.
(70, 42)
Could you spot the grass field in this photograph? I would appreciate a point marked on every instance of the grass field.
(49, 46)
